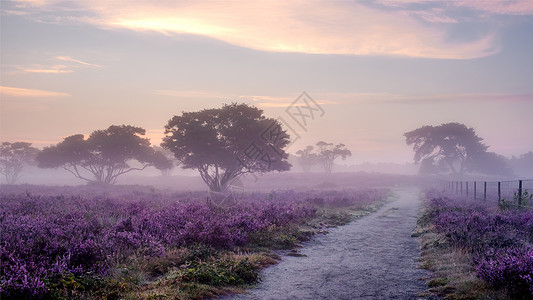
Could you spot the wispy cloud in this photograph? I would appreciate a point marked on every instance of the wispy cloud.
(72, 64)
(259, 100)
(188, 94)
(434, 15)
(68, 58)
(420, 98)
(20, 92)
(503, 7)
(55, 69)
(316, 27)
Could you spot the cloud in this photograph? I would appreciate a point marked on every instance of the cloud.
(262, 101)
(188, 94)
(55, 69)
(58, 68)
(434, 15)
(503, 7)
(421, 98)
(20, 92)
(68, 58)
(315, 27)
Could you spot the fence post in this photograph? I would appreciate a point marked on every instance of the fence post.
(467, 188)
(461, 187)
(499, 192)
(519, 192)
(485, 192)
(457, 187)
(475, 191)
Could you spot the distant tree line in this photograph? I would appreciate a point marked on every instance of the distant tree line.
(324, 154)
(222, 144)
(237, 139)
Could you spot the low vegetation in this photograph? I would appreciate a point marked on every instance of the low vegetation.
(476, 250)
(113, 243)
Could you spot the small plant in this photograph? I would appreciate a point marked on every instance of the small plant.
(519, 201)
(525, 199)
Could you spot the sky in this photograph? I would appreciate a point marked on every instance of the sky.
(370, 70)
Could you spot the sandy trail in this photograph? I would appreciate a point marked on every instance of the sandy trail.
(374, 257)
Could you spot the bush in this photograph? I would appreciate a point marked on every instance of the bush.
(511, 269)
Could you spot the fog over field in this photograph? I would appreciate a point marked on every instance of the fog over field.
(175, 149)
(375, 69)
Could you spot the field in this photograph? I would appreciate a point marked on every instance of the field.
(134, 242)
(476, 249)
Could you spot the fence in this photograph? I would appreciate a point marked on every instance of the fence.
(515, 191)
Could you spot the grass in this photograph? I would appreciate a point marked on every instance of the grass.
(453, 275)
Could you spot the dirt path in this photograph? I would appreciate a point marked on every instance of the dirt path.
(374, 257)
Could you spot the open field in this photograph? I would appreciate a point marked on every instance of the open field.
(137, 242)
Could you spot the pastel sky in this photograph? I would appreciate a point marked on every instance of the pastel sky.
(376, 68)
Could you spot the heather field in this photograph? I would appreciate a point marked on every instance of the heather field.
(138, 242)
(476, 249)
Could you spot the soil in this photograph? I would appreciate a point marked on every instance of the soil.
(374, 257)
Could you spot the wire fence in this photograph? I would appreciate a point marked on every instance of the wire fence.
(510, 192)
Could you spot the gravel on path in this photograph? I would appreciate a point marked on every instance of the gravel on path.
(374, 257)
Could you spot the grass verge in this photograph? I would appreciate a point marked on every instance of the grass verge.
(453, 275)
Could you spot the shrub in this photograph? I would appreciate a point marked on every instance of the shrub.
(511, 269)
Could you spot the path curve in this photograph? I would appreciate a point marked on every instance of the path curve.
(374, 257)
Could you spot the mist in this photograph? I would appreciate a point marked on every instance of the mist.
(266, 150)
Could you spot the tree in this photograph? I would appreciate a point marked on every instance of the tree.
(452, 145)
(13, 156)
(164, 161)
(307, 158)
(105, 154)
(328, 153)
(227, 142)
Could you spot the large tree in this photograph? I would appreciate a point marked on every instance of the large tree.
(103, 156)
(450, 146)
(13, 157)
(327, 153)
(227, 142)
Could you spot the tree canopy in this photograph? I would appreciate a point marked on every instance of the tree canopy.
(13, 156)
(105, 154)
(450, 147)
(224, 143)
(324, 154)
(327, 153)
